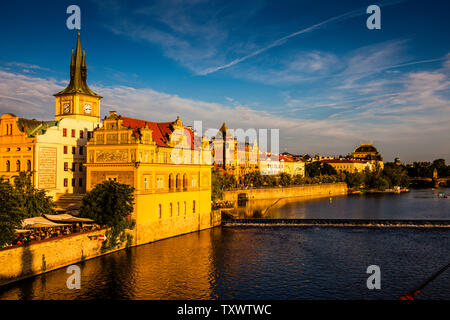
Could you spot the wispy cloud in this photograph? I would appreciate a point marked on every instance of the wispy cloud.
(418, 114)
(280, 41)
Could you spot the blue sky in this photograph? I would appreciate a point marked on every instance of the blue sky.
(309, 68)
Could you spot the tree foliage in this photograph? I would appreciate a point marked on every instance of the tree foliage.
(318, 168)
(425, 169)
(33, 202)
(110, 204)
(392, 175)
(11, 215)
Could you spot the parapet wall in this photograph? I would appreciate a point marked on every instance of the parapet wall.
(310, 190)
(46, 255)
(38, 257)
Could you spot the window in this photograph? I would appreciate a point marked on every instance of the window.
(184, 209)
(66, 166)
(66, 182)
(177, 181)
(74, 166)
(65, 149)
(146, 156)
(159, 211)
(170, 212)
(159, 183)
(184, 182)
(18, 165)
(8, 166)
(81, 134)
(178, 208)
(64, 132)
(80, 182)
(80, 167)
(28, 165)
(194, 182)
(74, 150)
(145, 183)
(170, 181)
(73, 133)
(73, 182)
(193, 206)
(81, 150)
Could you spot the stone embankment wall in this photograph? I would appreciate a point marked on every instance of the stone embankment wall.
(311, 190)
(38, 257)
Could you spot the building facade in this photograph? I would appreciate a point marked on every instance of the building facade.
(233, 156)
(168, 166)
(54, 151)
(349, 165)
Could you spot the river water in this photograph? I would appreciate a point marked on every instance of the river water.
(274, 262)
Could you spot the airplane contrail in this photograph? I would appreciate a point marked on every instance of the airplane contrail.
(276, 43)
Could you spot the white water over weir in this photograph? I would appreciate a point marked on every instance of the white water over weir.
(372, 223)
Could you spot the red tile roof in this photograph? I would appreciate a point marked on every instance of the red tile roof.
(161, 131)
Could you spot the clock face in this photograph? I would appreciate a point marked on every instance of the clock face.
(66, 107)
(87, 108)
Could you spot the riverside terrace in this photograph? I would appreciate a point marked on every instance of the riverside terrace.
(50, 227)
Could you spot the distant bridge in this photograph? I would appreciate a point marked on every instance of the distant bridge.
(435, 181)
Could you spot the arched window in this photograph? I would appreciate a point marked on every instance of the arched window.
(178, 182)
(170, 181)
(28, 165)
(18, 165)
(184, 182)
(8, 166)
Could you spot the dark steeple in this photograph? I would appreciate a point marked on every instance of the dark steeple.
(78, 73)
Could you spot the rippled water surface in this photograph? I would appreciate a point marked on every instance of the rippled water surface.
(272, 262)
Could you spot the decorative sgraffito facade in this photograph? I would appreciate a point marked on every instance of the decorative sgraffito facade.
(168, 166)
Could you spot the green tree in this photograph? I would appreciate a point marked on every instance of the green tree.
(354, 180)
(11, 215)
(318, 168)
(284, 179)
(33, 202)
(110, 204)
(216, 185)
(442, 169)
(396, 174)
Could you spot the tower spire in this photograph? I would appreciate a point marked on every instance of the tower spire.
(78, 73)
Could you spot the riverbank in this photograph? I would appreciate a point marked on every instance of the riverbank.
(312, 190)
(38, 257)
(374, 191)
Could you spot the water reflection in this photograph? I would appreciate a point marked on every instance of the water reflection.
(271, 263)
(417, 204)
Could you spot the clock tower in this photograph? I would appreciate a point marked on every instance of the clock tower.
(77, 101)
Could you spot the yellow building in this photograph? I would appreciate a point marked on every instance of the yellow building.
(292, 166)
(233, 156)
(368, 152)
(54, 150)
(349, 165)
(166, 163)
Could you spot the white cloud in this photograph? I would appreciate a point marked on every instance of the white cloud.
(425, 128)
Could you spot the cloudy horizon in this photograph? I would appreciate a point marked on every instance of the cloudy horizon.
(327, 90)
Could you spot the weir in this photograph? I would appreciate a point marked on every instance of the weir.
(372, 223)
